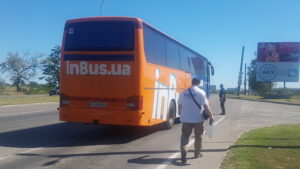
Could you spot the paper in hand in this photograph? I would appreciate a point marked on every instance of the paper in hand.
(209, 130)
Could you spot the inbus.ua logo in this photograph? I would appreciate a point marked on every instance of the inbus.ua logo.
(85, 68)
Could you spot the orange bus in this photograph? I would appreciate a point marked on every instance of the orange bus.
(122, 71)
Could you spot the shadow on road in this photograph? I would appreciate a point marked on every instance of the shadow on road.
(140, 160)
(71, 134)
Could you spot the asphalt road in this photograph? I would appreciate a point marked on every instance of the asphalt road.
(32, 137)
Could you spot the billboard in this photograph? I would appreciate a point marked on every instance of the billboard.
(277, 72)
(278, 52)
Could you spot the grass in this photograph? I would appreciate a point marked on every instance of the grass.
(27, 100)
(25, 90)
(28, 95)
(9, 90)
(293, 100)
(276, 147)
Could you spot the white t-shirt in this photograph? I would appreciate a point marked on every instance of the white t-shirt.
(190, 112)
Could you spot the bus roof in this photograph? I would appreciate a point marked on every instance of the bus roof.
(138, 20)
(104, 18)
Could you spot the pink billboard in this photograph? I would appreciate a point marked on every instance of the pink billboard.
(278, 52)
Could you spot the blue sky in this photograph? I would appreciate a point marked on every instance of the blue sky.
(216, 29)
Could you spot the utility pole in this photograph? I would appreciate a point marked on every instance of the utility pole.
(245, 80)
(101, 7)
(241, 73)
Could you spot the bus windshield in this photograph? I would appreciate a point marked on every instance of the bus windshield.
(100, 36)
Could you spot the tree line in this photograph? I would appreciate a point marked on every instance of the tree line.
(21, 68)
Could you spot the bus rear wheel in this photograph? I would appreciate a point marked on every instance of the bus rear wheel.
(171, 117)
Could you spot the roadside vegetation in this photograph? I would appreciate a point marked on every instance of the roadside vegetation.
(294, 99)
(33, 93)
(32, 89)
(27, 100)
(266, 148)
(20, 69)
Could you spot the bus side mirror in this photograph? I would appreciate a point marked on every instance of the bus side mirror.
(212, 70)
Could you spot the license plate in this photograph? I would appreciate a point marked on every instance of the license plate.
(98, 104)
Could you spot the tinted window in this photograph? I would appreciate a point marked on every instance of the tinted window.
(198, 64)
(100, 36)
(184, 60)
(193, 61)
(172, 54)
(154, 47)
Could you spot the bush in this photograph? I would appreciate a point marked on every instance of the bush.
(35, 88)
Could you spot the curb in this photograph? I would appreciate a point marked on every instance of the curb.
(292, 104)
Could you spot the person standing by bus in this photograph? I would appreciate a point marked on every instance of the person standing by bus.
(192, 118)
(222, 97)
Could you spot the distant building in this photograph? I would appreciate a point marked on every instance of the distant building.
(213, 89)
(231, 90)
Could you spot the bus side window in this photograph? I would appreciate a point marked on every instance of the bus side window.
(193, 65)
(199, 65)
(154, 47)
(172, 54)
(184, 60)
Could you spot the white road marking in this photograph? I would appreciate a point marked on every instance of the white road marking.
(170, 159)
(219, 120)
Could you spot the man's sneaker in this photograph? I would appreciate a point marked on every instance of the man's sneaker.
(198, 155)
(183, 157)
(183, 160)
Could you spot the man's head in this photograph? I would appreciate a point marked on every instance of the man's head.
(221, 86)
(196, 81)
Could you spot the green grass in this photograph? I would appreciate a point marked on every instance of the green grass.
(28, 100)
(28, 95)
(25, 90)
(276, 147)
(293, 100)
(9, 90)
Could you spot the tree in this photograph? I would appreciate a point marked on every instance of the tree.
(259, 87)
(20, 68)
(51, 66)
(2, 85)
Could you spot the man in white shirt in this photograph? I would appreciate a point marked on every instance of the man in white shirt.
(192, 118)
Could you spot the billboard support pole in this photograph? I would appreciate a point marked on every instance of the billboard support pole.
(284, 87)
(245, 81)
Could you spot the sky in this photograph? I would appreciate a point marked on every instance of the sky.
(217, 29)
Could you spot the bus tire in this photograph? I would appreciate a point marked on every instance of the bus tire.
(171, 116)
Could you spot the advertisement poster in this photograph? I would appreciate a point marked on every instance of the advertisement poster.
(277, 72)
(278, 61)
(278, 52)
